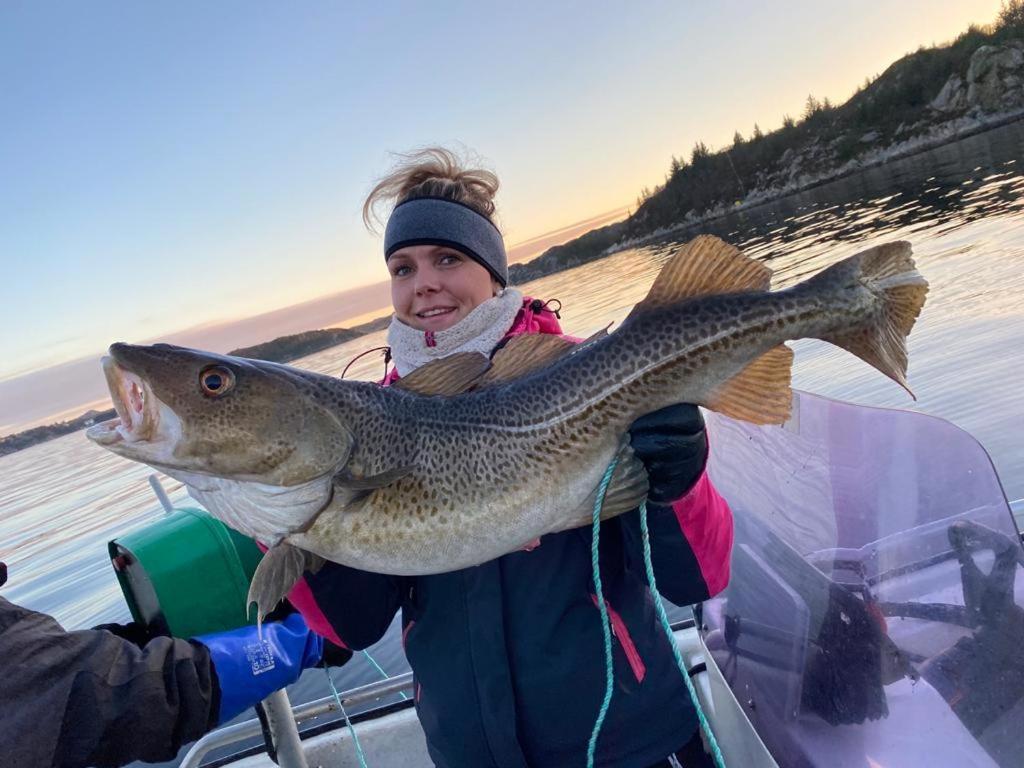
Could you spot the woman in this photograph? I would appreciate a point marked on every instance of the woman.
(508, 656)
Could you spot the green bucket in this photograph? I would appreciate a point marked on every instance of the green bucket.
(187, 574)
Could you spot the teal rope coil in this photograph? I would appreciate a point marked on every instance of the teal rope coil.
(348, 722)
(659, 605)
(380, 670)
(602, 489)
(605, 624)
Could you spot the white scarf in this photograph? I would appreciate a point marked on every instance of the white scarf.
(479, 331)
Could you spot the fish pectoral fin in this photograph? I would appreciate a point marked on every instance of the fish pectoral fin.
(761, 392)
(447, 376)
(525, 354)
(279, 570)
(348, 481)
(705, 266)
(351, 490)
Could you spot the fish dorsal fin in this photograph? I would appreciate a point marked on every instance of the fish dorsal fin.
(760, 393)
(524, 354)
(593, 338)
(447, 376)
(705, 266)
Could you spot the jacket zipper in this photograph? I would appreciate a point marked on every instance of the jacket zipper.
(621, 633)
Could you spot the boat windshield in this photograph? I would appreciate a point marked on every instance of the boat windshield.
(874, 614)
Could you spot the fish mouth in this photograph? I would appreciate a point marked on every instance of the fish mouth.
(138, 412)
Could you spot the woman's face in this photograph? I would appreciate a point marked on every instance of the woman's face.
(433, 286)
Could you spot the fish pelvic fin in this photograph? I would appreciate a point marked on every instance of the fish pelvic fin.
(628, 486)
(279, 570)
(761, 392)
(525, 354)
(448, 376)
(899, 290)
(705, 266)
(626, 490)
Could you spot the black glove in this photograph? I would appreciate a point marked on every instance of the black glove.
(134, 632)
(672, 445)
(3, 573)
(334, 655)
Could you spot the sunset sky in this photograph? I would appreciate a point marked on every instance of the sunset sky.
(190, 164)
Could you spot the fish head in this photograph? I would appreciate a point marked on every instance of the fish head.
(228, 417)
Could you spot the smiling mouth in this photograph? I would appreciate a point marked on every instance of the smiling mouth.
(137, 413)
(435, 312)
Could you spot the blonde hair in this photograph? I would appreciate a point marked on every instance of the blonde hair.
(432, 172)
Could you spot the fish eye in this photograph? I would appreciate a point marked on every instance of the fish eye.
(216, 380)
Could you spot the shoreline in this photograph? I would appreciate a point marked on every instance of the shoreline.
(877, 157)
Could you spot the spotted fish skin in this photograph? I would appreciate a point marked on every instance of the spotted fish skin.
(405, 482)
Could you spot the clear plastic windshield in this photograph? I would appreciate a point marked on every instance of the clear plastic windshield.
(874, 614)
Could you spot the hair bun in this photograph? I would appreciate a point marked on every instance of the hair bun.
(432, 172)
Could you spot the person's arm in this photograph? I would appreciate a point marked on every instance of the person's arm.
(92, 698)
(690, 524)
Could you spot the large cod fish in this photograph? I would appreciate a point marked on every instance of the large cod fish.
(467, 458)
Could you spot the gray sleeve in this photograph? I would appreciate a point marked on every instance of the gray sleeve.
(90, 698)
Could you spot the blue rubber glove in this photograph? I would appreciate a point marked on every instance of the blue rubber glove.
(249, 670)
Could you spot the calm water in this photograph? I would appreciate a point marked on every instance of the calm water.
(961, 206)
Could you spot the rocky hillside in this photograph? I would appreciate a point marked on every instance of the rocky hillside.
(929, 97)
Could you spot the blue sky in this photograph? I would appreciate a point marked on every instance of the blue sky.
(166, 166)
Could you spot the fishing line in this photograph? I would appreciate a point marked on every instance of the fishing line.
(705, 727)
(348, 722)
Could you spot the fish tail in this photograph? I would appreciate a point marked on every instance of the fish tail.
(895, 292)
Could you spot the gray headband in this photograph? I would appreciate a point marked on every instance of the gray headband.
(436, 221)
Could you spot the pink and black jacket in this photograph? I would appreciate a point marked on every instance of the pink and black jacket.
(508, 656)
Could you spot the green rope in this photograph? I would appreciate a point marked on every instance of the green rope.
(606, 631)
(348, 722)
(380, 669)
(716, 751)
(605, 625)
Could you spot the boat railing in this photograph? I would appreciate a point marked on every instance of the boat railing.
(280, 710)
